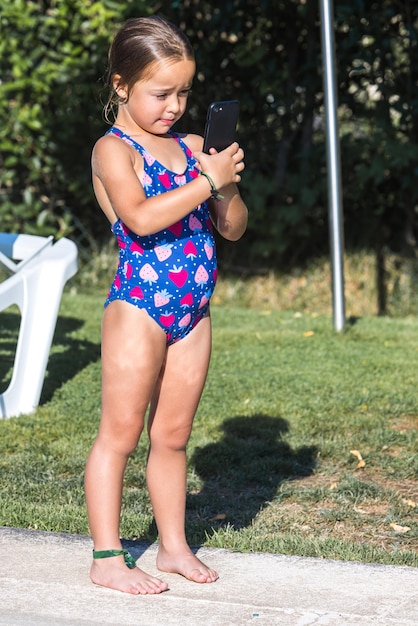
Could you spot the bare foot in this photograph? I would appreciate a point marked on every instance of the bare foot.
(186, 564)
(113, 573)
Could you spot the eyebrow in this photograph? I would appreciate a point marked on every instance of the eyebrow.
(171, 88)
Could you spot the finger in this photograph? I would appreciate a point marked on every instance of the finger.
(233, 148)
(239, 165)
(238, 156)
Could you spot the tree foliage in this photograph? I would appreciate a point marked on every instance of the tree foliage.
(52, 56)
(266, 53)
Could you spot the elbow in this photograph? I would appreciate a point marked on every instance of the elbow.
(236, 236)
(142, 232)
(140, 227)
(234, 232)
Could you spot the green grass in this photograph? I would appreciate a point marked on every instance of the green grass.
(271, 466)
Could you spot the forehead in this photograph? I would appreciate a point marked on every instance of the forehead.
(170, 72)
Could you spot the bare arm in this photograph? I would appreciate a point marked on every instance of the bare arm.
(229, 214)
(116, 167)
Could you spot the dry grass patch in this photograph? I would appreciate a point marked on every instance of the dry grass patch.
(405, 423)
(309, 289)
(305, 289)
(367, 507)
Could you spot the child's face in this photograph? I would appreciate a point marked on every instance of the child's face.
(157, 102)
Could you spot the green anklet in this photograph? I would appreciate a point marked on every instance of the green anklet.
(104, 554)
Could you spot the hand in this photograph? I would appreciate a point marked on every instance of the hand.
(223, 167)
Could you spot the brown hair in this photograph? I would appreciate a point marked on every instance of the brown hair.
(138, 44)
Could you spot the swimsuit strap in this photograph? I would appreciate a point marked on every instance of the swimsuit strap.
(126, 138)
(181, 143)
(119, 133)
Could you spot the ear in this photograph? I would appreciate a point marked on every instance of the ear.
(121, 90)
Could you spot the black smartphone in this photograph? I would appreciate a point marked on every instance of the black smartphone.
(221, 124)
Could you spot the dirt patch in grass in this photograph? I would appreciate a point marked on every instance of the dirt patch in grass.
(405, 423)
(398, 487)
(323, 507)
(362, 508)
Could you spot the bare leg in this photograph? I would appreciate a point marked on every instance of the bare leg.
(133, 349)
(171, 418)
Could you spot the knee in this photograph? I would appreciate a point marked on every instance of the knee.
(123, 436)
(127, 445)
(169, 439)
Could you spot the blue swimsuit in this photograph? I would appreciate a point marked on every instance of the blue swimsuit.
(172, 273)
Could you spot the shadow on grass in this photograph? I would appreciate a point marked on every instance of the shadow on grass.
(68, 355)
(243, 471)
(241, 474)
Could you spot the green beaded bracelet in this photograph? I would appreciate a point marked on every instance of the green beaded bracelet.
(215, 195)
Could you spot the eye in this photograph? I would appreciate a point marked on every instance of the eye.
(185, 93)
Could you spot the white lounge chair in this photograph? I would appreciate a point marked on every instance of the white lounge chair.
(39, 269)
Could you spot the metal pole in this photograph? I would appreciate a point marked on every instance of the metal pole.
(333, 162)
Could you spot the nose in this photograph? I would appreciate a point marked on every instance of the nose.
(173, 104)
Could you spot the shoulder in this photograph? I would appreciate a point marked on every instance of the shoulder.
(110, 143)
(110, 150)
(194, 142)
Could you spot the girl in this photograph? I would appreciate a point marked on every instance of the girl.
(160, 194)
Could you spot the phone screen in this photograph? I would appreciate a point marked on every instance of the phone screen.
(221, 123)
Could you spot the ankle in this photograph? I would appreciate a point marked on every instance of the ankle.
(106, 554)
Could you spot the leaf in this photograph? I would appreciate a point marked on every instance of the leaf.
(359, 510)
(410, 503)
(361, 463)
(399, 529)
(219, 517)
(309, 333)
